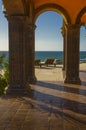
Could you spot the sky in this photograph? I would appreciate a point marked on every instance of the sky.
(47, 34)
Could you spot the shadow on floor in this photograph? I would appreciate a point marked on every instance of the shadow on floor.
(62, 87)
(51, 103)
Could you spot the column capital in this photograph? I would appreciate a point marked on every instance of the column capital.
(63, 30)
(17, 18)
(31, 26)
(72, 26)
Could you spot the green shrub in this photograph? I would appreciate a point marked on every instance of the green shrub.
(3, 84)
(2, 60)
(6, 72)
(4, 79)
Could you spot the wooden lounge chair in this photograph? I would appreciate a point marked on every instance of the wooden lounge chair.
(48, 61)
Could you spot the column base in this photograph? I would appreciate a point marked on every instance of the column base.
(73, 81)
(32, 80)
(17, 90)
(63, 69)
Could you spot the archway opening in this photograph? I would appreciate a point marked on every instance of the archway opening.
(83, 47)
(49, 44)
(4, 47)
(3, 30)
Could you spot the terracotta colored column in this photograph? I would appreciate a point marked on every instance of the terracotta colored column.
(72, 54)
(17, 61)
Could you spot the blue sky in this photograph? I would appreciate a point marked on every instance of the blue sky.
(47, 33)
(3, 31)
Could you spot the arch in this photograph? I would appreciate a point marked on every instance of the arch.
(53, 7)
(78, 19)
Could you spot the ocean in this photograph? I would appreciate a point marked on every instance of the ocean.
(49, 54)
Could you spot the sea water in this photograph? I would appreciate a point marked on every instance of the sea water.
(42, 55)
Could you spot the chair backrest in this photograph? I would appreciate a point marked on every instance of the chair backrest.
(49, 61)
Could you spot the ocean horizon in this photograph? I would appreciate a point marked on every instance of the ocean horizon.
(42, 55)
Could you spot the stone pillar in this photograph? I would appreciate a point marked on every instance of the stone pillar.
(31, 52)
(72, 54)
(17, 54)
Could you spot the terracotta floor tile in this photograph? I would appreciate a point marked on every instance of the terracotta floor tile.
(50, 105)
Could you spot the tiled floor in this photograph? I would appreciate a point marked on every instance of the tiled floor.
(50, 104)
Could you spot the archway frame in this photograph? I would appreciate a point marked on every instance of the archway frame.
(80, 14)
(72, 74)
(53, 7)
(60, 10)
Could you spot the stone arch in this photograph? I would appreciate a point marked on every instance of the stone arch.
(78, 19)
(53, 7)
(22, 26)
(71, 42)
